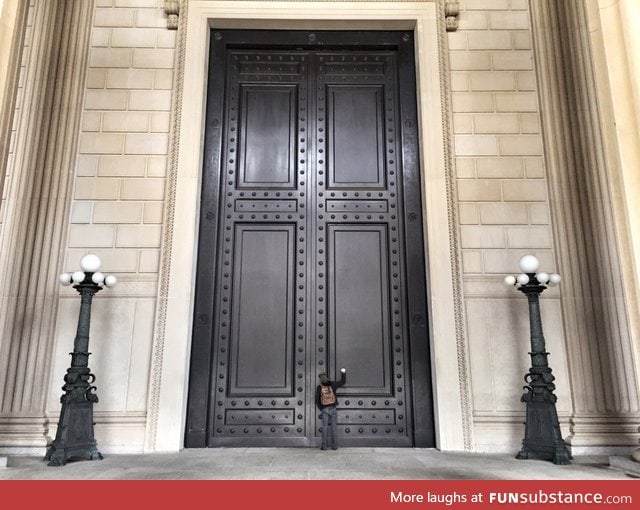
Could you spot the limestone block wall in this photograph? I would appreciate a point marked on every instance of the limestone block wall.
(503, 212)
(117, 209)
(118, 200)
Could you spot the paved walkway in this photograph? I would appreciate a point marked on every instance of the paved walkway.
(312, 464)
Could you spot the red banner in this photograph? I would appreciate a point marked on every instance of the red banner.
(324, 495)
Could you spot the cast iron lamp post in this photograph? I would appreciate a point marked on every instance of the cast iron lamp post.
(74, 438)
(542, 428)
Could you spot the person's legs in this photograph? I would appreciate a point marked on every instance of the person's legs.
(325, 426)
(334, 427)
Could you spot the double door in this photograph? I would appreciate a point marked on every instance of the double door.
(310, 250)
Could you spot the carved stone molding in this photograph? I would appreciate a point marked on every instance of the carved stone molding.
(451, 12)
(452, 213)
(172, 9)
(155, 383)
(23, 433)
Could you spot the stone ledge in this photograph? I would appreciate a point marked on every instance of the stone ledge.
(626, 464)
(3, 462)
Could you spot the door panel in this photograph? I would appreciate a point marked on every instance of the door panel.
(310, 257)
(359, 305)
(355, 136)
(267, 133)
(261, 312)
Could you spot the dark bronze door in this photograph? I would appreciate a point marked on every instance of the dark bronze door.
(310, 252)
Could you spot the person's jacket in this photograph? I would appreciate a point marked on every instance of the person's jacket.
(335, 385)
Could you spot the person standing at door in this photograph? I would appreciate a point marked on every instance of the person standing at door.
(327, 401)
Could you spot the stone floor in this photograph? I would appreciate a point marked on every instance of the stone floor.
(312, 464)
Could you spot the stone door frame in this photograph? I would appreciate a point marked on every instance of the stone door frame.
(172, 336)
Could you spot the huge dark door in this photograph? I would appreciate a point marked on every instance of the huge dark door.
(310, 252)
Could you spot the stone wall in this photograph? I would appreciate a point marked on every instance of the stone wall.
(117, 208)
(118, 200)
(503, 210)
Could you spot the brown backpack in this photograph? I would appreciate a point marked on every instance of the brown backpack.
(327, 396)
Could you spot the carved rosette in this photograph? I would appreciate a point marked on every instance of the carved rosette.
(451, 11)
(172, 8)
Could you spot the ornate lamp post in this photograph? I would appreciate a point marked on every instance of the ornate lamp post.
(74, 438)
(542, 428)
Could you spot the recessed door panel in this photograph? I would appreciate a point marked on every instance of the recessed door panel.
(356, 136)
(359, 305)
(267, 136)
(261, 311)
(310, 252)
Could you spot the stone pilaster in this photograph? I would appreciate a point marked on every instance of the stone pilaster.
(583, 186)
(37, 209)
(13, 17)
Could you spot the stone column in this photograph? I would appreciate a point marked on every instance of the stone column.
(590, 231)
(615, 31)
(13, 16)
(38, 211)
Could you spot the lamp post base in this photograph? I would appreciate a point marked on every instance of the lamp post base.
(59, 455)
(74, 438)
(542, 434)
(559, 455)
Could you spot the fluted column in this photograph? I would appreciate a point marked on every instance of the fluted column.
(13, 16)
(589, 236)
(38, 209)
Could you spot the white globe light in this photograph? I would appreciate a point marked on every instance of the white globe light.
(110, 281)
(77, 277)
(554, 279)
(542, 278)
(522, 279)
(529, 264)
(65, 279)
(90, 263)
(510, 280)
(97, 277)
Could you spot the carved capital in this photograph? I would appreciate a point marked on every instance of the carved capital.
(451, 11)
(172, 8)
